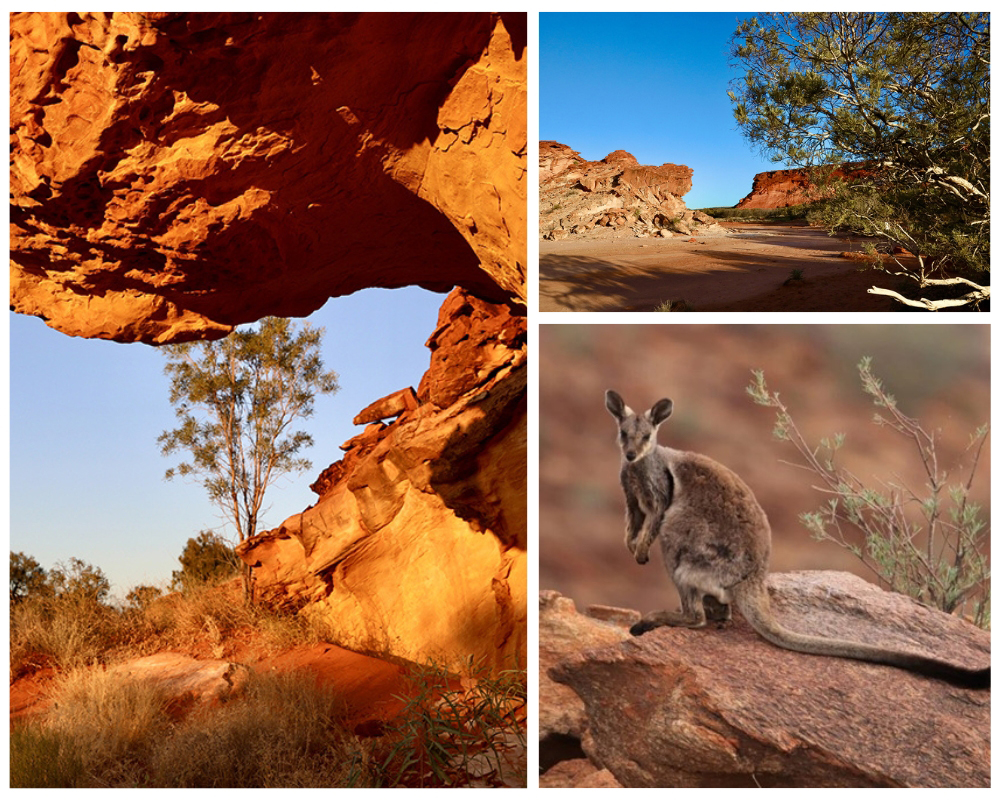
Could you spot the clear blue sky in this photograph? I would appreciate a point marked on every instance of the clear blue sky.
(654, 85)
(86, 474)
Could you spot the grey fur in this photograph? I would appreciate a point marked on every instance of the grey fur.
(716, 544)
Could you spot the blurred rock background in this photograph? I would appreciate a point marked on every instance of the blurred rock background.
(939, 374)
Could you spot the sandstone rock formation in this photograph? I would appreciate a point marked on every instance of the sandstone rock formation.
(417, 544)
(722, 707)
(788, 187)
(613, 197)
(175, 174)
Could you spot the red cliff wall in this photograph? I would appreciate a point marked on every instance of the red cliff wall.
(786, 187)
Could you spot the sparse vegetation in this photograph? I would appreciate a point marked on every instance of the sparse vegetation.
(932, 545)
(788, 213)
(284, 730)
(103, 731)
(673, 305)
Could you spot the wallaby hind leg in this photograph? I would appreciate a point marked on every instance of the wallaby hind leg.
(716, 611)
(691, 615)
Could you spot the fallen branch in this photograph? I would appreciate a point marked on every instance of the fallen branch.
(983, 293)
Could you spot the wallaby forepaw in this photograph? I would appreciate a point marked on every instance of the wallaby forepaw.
(641, 627)
(641, 558)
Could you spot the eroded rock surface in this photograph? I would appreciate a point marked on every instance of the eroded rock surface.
(788, 187)
(417, 544)
(175, 174)
(613, 197)
(723, 707)
(187, 682)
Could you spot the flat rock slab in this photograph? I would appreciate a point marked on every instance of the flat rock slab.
(722, 707)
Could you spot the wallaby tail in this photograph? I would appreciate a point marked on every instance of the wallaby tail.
(752, 600)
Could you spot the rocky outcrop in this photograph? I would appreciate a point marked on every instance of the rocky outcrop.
(417, 544)
(185, 682)
(791, 187)
(613, 197)
(175, 174)
(723, 707)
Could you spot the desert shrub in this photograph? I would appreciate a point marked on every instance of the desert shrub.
(69, 631)
(206, 559)
(931, 545)
(456, 732)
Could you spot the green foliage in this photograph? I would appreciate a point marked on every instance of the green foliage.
(903, 95)
(27, 578)
(457, 736)
(931, 546)
(206, 559)
(788, 213)
(235, 400)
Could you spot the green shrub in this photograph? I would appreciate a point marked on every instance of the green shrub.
(932, 545)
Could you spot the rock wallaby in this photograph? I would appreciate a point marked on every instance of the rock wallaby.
(716, 543)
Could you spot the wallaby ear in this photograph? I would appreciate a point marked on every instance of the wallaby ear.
(661, 410)
(615, 404)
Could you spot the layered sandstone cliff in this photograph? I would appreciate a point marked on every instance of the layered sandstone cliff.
(175, 174)
(417, 544)
(791, 187)
(615, 196)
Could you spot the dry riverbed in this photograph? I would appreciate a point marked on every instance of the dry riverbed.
(744, 267)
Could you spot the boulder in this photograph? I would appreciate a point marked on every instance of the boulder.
(187, 682)
(723, 707)
(175, 174)
(390, 406)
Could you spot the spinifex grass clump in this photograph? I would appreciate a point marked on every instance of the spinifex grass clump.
(112, 732)
(931, 545)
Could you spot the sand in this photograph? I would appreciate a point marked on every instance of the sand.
(745, 267)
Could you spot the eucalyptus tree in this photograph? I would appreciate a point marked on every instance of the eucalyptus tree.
(236, 400)
(905, 98)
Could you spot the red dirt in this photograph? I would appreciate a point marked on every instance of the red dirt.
(711, 272)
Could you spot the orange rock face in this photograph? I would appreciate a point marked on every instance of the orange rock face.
(417, 544)
(176, 174)
(786, 187)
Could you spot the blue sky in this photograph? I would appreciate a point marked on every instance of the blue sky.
(653, 84)
(86, 476)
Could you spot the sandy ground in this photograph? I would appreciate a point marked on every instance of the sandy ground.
(746, 268)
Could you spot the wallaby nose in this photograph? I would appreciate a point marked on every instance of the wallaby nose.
(630, 455)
